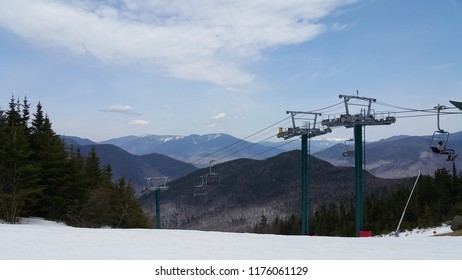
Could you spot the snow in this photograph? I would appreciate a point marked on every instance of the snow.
(213, 136)
(40, 249)
(37, 239)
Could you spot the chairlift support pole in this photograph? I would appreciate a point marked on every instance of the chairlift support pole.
(359, 195)
(157, 189)
(357, 122)
(306, 133)
(157, 193)
(305, 184)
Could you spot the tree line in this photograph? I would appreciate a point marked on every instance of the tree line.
(436, 199)
(41, 177)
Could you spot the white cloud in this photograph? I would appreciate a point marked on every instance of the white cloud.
(220, 116)
(211, 125)
(339, 27)
(125, 109)
(442, 66)
(197, 39)
(138, 122)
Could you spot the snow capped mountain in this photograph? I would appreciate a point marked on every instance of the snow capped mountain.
(194, 148)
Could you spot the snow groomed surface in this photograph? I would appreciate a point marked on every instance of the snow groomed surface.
(36, 239)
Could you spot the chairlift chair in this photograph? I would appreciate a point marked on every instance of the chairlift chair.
(438, 144)
(440, 139)
(349, 152)
(201, 189)
(212, 179)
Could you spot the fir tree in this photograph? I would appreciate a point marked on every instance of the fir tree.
(39, 177)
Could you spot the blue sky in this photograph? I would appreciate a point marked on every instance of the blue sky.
(105, 69)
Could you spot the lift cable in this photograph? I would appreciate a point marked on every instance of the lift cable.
(430, 112)
(239, 141)
(251, 145)
(406, 110)
(274, 148)
(254, 134)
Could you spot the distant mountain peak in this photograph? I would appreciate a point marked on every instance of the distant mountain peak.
(213, 136)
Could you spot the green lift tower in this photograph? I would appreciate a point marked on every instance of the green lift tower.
(306, 132)
(357, 121)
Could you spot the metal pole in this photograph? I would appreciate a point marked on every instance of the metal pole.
(157, 208)
(308, 188)
(407, 203)
(304, 185)
(359, 178)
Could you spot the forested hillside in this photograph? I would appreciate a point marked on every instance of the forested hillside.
(39, 177)
(251, 189)
(436, 199)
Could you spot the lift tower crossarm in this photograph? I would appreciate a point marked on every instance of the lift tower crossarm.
(297, 131)
(363, 118)
(346, 98)
(293, 113)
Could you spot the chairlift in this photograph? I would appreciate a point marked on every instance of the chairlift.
(212, 179)
(349, 151)
(201, 189)
(440, 139)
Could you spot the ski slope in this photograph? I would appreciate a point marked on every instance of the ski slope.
(37, 239)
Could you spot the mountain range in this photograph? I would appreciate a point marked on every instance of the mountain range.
(254, 187)
(398, 156)
(134, 168)
(196, 148)
(394, 157)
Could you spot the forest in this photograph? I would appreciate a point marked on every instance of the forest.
(436, 200)
(41, 177)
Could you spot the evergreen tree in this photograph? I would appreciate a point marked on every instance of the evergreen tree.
(49, 155)
(18, 177)
(39, 177)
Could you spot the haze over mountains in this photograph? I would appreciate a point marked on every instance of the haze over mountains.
(137, 157)
(398, 156)
(194, 148)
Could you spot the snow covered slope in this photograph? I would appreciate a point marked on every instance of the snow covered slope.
(36, 239)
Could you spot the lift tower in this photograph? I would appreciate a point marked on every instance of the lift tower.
(306, 133)
(366, 117)
(156, 185)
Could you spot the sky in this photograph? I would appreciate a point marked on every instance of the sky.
(107, 69)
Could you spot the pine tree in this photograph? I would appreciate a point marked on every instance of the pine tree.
(17, 176)
(38, 176)
(49, 155)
